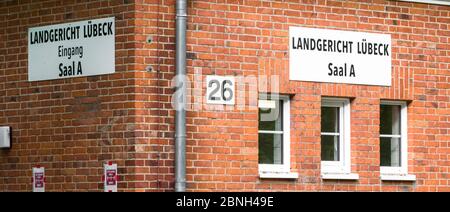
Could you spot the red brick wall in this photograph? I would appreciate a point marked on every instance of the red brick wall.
(250, 38)
(72, 126)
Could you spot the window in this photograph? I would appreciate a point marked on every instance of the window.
(331, 135)
(394, 141)
(335, 139)
(274, 137)
(442, 2)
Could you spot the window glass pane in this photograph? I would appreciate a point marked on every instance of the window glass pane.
(271, 118)
(390, 152)
(329, 148)
(270, 148)
(330, 119)
(390, 119)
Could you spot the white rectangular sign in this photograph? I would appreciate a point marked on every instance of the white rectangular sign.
(220, 90)
(38, 179)
(323, 55)
(77, 49)
(110, 177)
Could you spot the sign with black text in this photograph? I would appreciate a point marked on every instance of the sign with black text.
(77, 49)
(220, 90)
(323, 55)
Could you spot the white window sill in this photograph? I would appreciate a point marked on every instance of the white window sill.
(398, 177)
(278, 175)
(340, 176)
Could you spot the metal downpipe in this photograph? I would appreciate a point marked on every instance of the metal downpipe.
(180, 115)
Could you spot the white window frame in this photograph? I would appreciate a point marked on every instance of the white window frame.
(428, 2)
(279, 170)
(398, 173)
(340, 169)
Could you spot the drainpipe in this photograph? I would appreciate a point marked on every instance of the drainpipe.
(180, 115)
